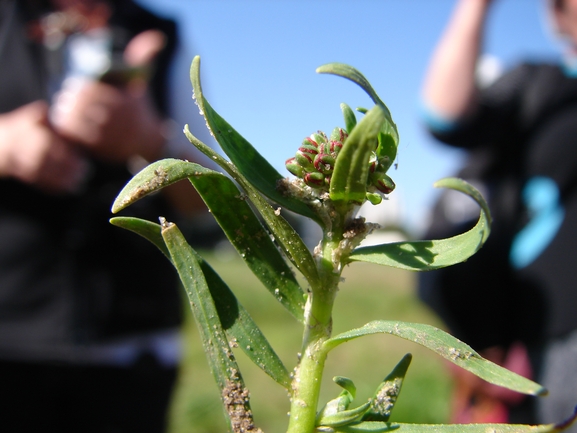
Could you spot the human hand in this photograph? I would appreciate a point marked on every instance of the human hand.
(110, 123)
(33, 153)
(114, 122)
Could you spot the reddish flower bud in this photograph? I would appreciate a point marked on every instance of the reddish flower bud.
(315, 180)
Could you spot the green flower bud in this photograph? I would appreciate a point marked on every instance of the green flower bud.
(382, 181)
(315, 180)
(309, 145)
(319, 138)
(374, 198)
(294, 167)
(305, 159)
(339, 134)
(324, 163)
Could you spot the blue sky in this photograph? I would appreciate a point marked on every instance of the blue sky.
(259, 59)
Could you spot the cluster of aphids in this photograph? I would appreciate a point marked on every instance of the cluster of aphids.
(315, 160)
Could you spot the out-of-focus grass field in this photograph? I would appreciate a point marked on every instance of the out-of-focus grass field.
(369, 292)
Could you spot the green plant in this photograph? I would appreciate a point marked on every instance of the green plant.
(334, 175)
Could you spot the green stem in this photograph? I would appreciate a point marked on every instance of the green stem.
(318, 327)
(306, 388)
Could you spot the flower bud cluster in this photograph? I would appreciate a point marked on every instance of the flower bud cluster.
(315, 160)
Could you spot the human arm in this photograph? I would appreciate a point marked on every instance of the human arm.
(449, 87)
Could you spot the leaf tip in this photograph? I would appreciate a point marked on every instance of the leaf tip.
(195, 63)
(121, 202)
(321, 69)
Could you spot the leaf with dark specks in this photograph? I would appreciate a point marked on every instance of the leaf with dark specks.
(433, 254)
(448, 347)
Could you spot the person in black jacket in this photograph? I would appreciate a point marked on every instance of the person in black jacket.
(89, 313)
(521, 134)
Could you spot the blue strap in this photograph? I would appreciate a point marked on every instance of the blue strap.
(543, 200)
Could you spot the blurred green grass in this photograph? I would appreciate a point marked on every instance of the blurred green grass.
(369, 292)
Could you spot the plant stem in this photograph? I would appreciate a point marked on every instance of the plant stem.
(308, 374)
(306, 387)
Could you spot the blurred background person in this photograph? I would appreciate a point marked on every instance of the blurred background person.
(515, 301)
(89, 313)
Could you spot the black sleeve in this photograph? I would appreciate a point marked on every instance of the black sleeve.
(496, 118)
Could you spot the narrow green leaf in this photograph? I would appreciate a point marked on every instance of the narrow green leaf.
(241, 330)
(247, 159)
(350, 73)
(388, 140)
(235, 217)
(433, 254)
(344, 417)
(285, 235)
(468, 189)
(216, 346)
(387, 148)
(388, 391)
(350, 118)
(381, 427)
(347, 384)
(153, 178)
(448, 347)
(334, 406)
(232, 212)
(342, 402)
(291, 243)
(237, 323)
(144, 228)
(368, 427)
(349, 179)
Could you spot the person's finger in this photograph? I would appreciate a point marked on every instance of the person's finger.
(144, 47)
